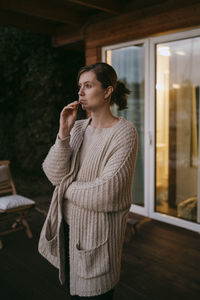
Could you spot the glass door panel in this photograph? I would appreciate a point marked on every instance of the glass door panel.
(177, 128)
(129, 65)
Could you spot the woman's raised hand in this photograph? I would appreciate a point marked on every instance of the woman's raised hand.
(67, 119)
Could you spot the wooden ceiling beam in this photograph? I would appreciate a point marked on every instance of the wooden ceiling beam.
(67, 38)
(26, 22)
(50, 10)
(109, 6)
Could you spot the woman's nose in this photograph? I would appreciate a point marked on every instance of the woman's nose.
(81, 92)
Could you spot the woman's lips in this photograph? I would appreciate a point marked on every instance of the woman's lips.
(82, 101)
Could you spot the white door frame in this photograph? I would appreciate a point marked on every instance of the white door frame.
(156, 215)
(142, 210)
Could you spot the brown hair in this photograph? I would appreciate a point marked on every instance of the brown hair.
(108, 77)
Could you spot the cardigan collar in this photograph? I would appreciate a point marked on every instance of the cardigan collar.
(87, 122)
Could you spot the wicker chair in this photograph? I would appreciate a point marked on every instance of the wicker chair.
(13, 208)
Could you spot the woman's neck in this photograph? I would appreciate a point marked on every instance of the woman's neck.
(104, 120)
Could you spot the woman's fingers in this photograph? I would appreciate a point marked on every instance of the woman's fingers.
(71, 108)
(74, 104)
(65, 109)
(71, 105)
(67, 117)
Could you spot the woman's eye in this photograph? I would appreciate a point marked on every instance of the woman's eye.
(88, 85)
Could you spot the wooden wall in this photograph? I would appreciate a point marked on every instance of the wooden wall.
(169, 17)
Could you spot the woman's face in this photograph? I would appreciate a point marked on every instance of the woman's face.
(91, 94)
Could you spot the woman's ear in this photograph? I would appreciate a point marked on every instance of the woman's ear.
(108, 91)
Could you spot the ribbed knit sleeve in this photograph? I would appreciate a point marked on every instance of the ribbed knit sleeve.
(57, 162)
(111, 191)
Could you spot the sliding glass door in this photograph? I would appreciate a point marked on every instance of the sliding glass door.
(163, 74)
(129, 62)
(177, 127)
(176, 99)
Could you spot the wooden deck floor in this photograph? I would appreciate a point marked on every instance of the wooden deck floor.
(161, 262)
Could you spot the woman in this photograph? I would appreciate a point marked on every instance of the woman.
(91, 165)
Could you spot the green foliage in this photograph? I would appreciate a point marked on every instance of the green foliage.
(37, 80)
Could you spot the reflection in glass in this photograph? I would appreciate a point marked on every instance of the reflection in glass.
(129, 65)
(177, 127)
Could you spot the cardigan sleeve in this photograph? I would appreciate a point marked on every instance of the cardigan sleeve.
(57, 162)
(111, 191)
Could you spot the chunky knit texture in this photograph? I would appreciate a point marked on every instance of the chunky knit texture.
(91, 135)
(100, 192)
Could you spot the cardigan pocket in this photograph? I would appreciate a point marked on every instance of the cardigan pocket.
(94, 262)
(51, 241)
(52, 246)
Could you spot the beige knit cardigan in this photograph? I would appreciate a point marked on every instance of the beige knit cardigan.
(101, 199)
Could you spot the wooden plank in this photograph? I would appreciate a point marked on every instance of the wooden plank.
(128, 27)
(11, 230)
(64, 35)
(138, 4)
(111, 6)
(159, 257)
(67, 38)
(93, 55)
(91, 51)
(4, 162)
(50, 10)
(26, 22)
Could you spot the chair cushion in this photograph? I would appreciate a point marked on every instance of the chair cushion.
(12, 201)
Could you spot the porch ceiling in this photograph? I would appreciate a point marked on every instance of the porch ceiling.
(66, 20)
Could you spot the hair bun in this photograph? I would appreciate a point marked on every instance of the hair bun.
(120, 95)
